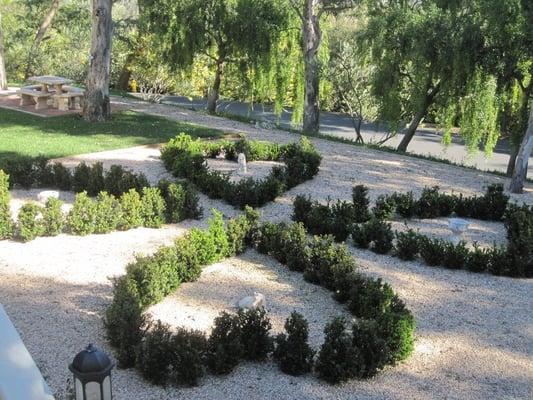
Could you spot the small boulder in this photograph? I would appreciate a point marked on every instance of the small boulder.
(43, 196)
(252, 302)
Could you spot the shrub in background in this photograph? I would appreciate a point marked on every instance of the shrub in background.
(152, 208)
(372, 349)
(43, 173)
(455, 256)
(294, 250)
(107, 214)
(478, 259)
(124, 320)
(224, 347)
(407, 244)
(361, 235)
(382, 236)
(406, 205)
(397, 327)
(62, 176)
(431, 250)
(255, 337)
(7, 227)
(187, 353)
(81, 177)
(53, 218)
(369, 298)
(218, 235)
(293, 354)
(338, 360)
(81, 218)
(188, 261)
(360, 203)
(96, 179)
(154, 354)
(384, 208)
(131, 206)
(239, 231)
(302, 206)
(518, 221)
(29, 226)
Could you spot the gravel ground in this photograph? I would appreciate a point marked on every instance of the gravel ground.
(474, 331)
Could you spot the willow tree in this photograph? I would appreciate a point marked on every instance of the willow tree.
(97, 105)
(226, 31)
(424, 51)
(3, 76)
(310, 13)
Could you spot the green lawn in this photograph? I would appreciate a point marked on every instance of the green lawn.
(23, 135)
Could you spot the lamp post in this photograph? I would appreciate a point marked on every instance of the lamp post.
(92, 374)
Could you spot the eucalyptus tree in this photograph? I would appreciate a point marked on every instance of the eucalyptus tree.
(97, 105)
(423, 51)
(3, 76)
(242, 32)
(310, 13)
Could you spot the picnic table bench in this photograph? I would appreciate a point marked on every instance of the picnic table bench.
(63, 97)
(33, 95)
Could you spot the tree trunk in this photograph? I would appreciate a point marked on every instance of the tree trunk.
(43, 28)
(526, 147)
(512, 159)
(312, 37)
(215, 90)
(97, 106)
(411, 129)
(3, 76)
(125, 74)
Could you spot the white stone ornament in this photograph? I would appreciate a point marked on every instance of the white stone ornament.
(457, 226)
(252, 302)
(46, 194)
(241, 160)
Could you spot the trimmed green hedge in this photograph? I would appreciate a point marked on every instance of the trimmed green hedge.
(384, 319)
(173, 203)
(369, 229)
(185, 158)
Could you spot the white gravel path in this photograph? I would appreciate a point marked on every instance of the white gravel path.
(474, 334)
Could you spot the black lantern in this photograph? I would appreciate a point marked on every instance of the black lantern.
(92, 374)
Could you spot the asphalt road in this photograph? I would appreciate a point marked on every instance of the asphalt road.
(425, 142)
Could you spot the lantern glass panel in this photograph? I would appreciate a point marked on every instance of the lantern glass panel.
(106, 388)
(79, 389)
(92, 391)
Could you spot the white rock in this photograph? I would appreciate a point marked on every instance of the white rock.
(46, 194)
(252, 302)
(241, 160)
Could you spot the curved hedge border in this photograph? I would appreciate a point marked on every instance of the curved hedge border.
(369, 229)
(383, 335)
(151, 207)
(185, 157)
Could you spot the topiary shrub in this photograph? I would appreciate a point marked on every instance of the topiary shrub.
(29, 225)
(189, 266)
(292, 354)
(187, 353)
(519, 224)
(397, 327)
(152, 208)
(43, 174)
(62, 176)
(224, 347)
(218, 235)
(361, 235)
(96, 179)
(7, 227)
(343, 216)
(407, 245)
(478, 259)
(360, 203)
(131, 206)
(302, 206)
(239, 232)
(53, 220)
(495, 202)
(81, 177)
(455, 256)
(153, 354)
(372, 349)
(384, 208)
(406, 205)
(429, 203)
(431, 250)
(124, 321)
(369, 298)
(381, 234)
(81, 218)
(255, 337)
(338, 360)
(294, 251)
(108, 213)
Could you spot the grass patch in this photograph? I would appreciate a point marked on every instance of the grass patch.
(23, 135)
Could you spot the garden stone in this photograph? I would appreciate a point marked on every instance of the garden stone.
(241, 160)
(47, 194)
(457, 226)
(252, 302)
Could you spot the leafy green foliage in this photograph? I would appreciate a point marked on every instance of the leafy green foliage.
(293, 354)
(81, 218)
(29, 226)
(81, 177)
(107, 214)
(154, 354)
(255, 337)
(224, 347)
(7, 227)
(407, 244)
(384, 208)
(132, 208)
(372, 349)
(152, 208)
(187, 352)
(53, 218)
